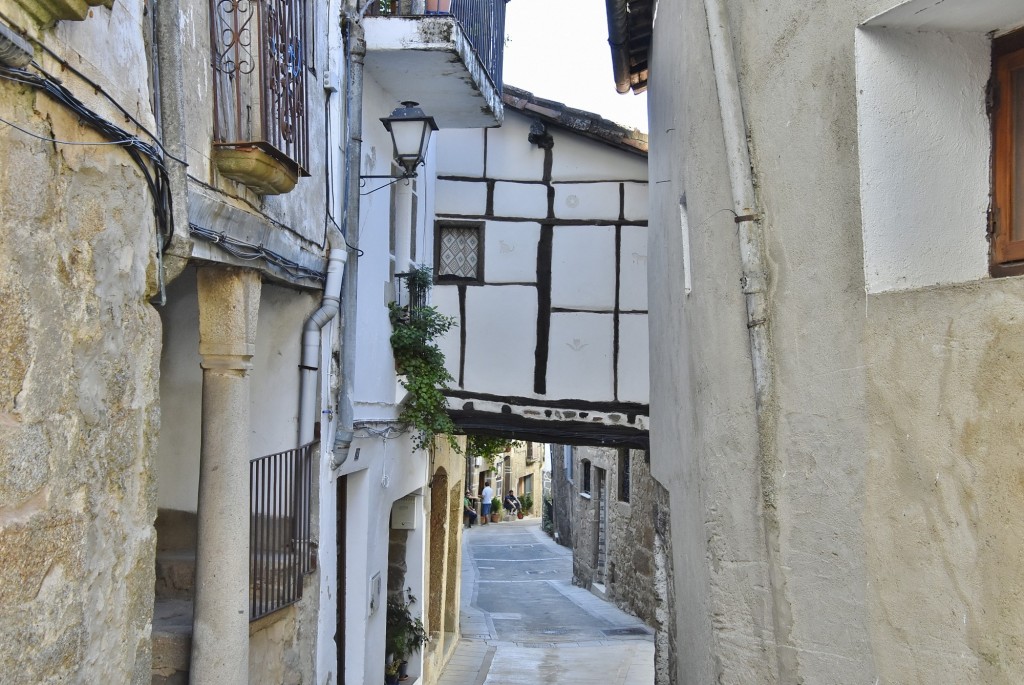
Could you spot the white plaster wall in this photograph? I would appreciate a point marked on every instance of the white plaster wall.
(583, 267)
(529, 200)
(509, 153)
(633, 268)
(181, 398)
(446, 299)
(274, 390)
(581, 159)
(924, 140)
(460, 152)
(580, 355)
(275, 374)
(587, 201)
(501, 324)
(461, 197)
(634, 378)
(510, 252)
(635, 201)
(374, 389)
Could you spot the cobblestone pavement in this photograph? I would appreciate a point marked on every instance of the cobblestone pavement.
(524, 622)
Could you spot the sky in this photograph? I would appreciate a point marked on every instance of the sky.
(558, 49)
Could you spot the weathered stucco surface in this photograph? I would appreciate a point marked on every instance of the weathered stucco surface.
(78, 412)
(943, 516)
(869, 531)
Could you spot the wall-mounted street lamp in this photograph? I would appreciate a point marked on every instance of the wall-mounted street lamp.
(410, 131)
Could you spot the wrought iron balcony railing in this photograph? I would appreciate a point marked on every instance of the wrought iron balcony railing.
(482, 20)
(280, 549)
(260, 59)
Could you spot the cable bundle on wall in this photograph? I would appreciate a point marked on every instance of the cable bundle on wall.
(148, 158)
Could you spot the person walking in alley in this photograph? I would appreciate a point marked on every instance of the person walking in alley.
(486, 495)
(469, 509)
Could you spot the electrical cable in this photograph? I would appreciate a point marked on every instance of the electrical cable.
(143, 154)
(250, 252)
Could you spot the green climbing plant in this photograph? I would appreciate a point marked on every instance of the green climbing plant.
(415, 329)
(488, 447)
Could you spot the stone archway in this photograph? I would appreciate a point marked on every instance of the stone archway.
(436, 539)
(451, 597)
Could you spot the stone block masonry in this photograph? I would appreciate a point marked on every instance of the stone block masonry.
(78, 406)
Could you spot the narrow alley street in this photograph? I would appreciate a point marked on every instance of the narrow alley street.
(524, 622)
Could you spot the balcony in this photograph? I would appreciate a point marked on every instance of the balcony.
(444, 54)
(261, 136)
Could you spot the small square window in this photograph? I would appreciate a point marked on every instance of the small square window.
(460, 253)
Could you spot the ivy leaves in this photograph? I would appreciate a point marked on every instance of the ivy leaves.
(420, 360)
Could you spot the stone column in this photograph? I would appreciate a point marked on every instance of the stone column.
(228, 306)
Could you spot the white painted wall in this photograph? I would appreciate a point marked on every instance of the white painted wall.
(595, 185)
(509, 156)
(275, 385)
(924, 140)
(583, 268)
(381, 471)
(501, 324)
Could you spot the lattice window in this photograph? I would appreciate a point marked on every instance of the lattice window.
(460, 253)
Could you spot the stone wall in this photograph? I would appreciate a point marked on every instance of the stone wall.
(637, 572)
(78, 397)
(562, 499)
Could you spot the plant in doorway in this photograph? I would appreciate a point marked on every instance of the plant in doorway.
(415, 328)
(404, 634)
(527, 501)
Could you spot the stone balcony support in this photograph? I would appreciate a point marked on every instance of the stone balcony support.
(228, 306)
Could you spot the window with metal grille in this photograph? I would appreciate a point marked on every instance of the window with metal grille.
(459, 253)
(259, 77)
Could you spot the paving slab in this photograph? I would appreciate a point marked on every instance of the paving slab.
(523, 621)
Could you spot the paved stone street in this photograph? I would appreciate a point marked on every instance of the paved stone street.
(524, 622)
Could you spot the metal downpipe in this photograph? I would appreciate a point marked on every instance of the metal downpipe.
(310, 364)
(355, 52)
(755, 291)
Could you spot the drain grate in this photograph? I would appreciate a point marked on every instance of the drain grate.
(616, 632)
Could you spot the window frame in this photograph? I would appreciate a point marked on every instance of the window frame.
(585, 481)
(1006, 255)
(447, 279)
(625, 468)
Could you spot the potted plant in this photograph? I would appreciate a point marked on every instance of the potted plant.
(420, 362)
(404, 634)
(527, 502)
(391, 672)
(496, 509)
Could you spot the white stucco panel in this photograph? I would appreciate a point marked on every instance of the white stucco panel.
(587, 201)
(510, 252)
(446, 299)
(510, 155)
(635, 201)
(501, 324)
(633, 269)
(575, 158)
(580, 356)
(461, 197)
(583, 267)
(527, 200)
(924, 157)
(634, 367)
(460, 152)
